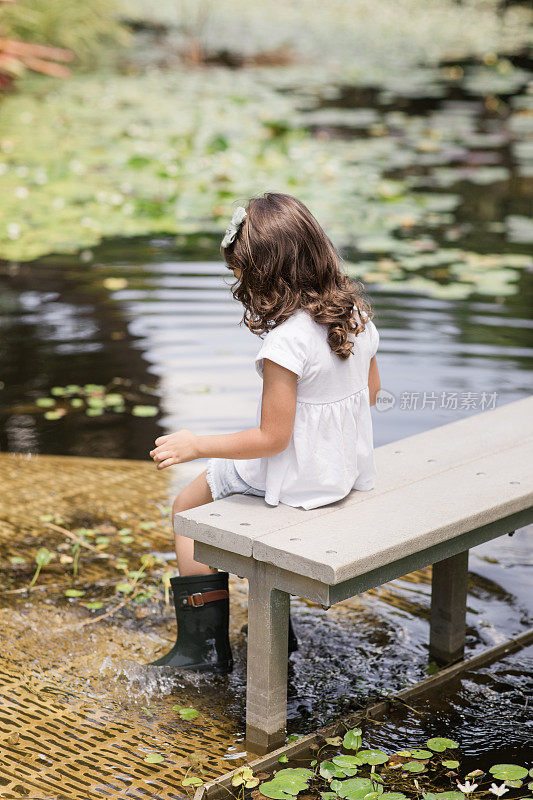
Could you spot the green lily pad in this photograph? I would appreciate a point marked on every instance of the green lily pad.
(352, 739)
(329, 770)
(354, 788)
(373, 756)
(43, 557)
(286, 783)
(186, 712)
(439, 744)
(74, 593)
(421, 754)
(443, 795)
(450, 764)
(154, 758)
(45, 402)
(193, 781)
(144, 411)
(347, 762)
(414, 766)
(505, 772)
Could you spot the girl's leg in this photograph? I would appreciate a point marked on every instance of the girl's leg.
(197, 493)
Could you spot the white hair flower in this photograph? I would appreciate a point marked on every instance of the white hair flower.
(233, 228)
(498, 790)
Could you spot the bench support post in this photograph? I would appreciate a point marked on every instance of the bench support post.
(448, 608)
(266, 692)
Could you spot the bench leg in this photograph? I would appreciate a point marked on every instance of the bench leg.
(448, 608)
(266, 693)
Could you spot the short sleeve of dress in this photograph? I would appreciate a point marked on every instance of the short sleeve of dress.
(374, 338)
(372, 331)
(285, 347)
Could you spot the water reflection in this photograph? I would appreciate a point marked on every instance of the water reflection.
(172, 327)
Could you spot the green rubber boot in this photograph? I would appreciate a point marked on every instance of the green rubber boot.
(202, 616)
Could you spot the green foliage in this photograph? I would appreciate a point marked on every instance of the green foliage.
(352, 739)
(186, 712)
(154, 758)
(414, 766)
(348, 763)
(42, 559)
(421, 754)
(95, 400)
(83, 27)
(355, 788)
(439, 745)
(421, 777)
(287, 783)
(508, 772)
(329, 770)
(443, 796)
(372, 756)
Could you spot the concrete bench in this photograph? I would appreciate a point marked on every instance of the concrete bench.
(437, 494)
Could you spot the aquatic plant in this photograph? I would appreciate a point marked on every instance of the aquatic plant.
(42, 559)
(94, 400)
(375, 775)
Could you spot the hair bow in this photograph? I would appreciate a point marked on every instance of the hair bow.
(233, 228)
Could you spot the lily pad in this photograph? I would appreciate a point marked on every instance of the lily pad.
(443, 795)
(393, 796)
(373, 756)
(186, 712)
(421, 754)
(414, 766)
(74, 593)
(329, 770)
(505, 772)
(154, 758)
(439, 744)
(347, 762)
(352, 739)
(354, 788)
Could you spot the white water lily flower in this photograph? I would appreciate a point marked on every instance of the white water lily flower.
(498, 790)
(468, 787)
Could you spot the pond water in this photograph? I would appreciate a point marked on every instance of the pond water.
(151, 323)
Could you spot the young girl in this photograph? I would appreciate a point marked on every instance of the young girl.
(313, 440)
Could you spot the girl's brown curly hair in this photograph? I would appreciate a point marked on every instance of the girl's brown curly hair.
(287, 262)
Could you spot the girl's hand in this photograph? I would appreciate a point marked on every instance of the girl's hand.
(175, 448)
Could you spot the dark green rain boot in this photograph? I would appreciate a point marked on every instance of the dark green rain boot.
(202, 616)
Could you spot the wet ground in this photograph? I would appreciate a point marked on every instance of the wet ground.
(81, 712)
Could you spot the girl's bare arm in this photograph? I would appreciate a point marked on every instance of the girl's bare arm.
(374, 382)
(277, 421)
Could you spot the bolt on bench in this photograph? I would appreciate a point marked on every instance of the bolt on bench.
(437, 494)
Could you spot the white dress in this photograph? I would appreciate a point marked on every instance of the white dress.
(331, 450)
